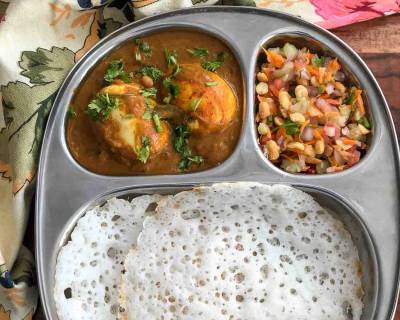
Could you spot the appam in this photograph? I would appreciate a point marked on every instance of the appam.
(242, 251)
(89, 266)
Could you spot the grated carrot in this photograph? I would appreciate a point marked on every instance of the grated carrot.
(333, 66)
(360, 102)
(312, 70)
(274, 58)
(350, 141)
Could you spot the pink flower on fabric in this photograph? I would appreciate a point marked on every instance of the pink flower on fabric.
(342, 12)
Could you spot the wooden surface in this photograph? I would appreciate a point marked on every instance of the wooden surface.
(378, 43)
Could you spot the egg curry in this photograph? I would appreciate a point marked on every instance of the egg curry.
(169, 102)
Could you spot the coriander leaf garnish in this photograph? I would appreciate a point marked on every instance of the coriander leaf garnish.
(321, 89)
(186, 162)
(290, 127)
(318, 61)
(351, 97)
(148, 112)
(214, 65)
(171, 57)
(138, 56)
(143, 152)
(198, 52)
(101, 107)
(148, 92)
(211, 84)
(175, 70)
(180, 141)
(157, 122)
(142, 46)
(173, 89)
(71, 113)
(194, 104)
(365, 122)
(115, 70)
(151, 71)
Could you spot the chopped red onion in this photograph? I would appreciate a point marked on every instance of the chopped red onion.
(307, 134)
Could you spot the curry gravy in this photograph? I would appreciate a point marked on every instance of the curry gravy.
(88, 149)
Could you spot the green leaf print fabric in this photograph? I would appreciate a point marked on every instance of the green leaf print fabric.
(40, 41)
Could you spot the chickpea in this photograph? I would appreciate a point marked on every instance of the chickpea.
(278, 121)
(309, 151)
(340, 87)
(262, 77)
(319, 147)
(328, 151)
(264, 109)
(284, 99)
(297, 117)
(264, 130)
(147, 82)
(296, 145)
(272, 150)
(301, 92)
(262, 88)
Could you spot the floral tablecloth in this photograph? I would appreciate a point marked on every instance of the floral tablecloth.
(40, 40)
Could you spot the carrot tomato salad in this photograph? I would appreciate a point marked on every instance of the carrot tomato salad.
(308, 119)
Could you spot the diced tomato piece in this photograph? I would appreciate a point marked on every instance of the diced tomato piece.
(276, 85)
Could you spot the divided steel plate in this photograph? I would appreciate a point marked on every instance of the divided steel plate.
(365, 197)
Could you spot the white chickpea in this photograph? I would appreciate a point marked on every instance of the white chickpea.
(301, 91)
(284, 99)
(262, 88)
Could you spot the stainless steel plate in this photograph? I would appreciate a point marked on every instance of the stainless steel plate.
(365, 197)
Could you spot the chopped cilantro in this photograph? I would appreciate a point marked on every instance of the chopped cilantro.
(148, 92)
(101, 107)
(147, 115)
(175, 70)
(198, 52)
(270, 120)
(211, 84)
(143, 152)
(365, 122)
(151, 71)
(138, 56)
(186, 162)
(173, 89)
(171, 57)
(194, 104)
(290, 127)
(157, 122)
(321, 89)
(215, 64)
(142, 46)
(115, 70)
(180, 141)
(318, 61)
(351, 97)
(71, 113)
